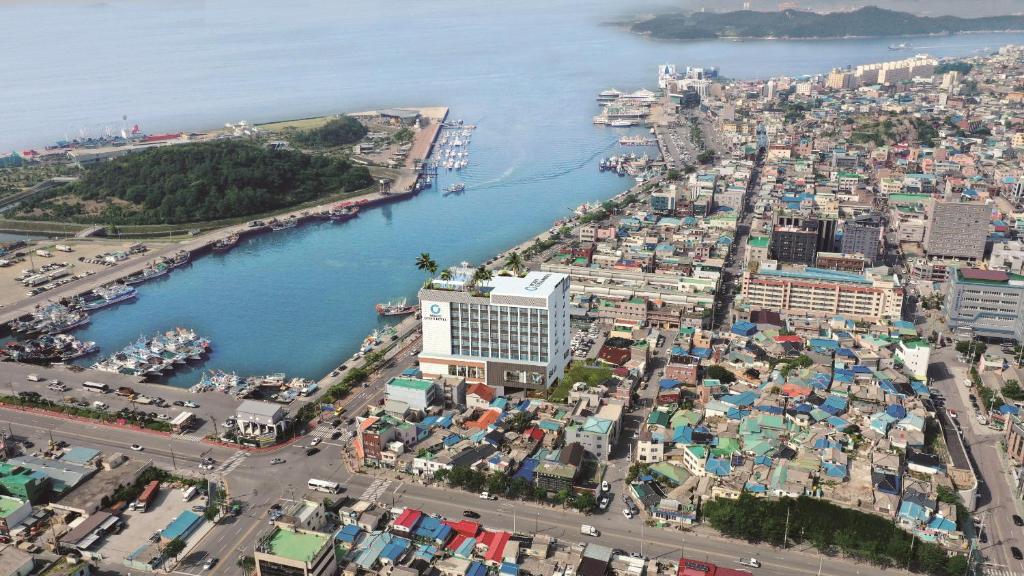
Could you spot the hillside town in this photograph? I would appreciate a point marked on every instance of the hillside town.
(814, 299)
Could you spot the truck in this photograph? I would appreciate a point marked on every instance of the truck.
(189, 493)
(147, 496)
(125, 391)
(33, 378)
(588, 530)
(752, 562)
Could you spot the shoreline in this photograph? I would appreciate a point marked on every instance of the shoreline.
(202, 244)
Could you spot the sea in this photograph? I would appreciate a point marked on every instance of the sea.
(526, 73)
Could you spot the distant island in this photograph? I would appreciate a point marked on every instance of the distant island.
(864, 22)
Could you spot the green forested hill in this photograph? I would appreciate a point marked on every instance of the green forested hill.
(197, 182)
(868, 21)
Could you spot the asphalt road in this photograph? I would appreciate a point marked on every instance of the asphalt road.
(996, 503)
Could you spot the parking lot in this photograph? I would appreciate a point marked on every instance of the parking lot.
(141, 525)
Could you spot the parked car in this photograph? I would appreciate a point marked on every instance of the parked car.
(190, 404)
(752, 562)
(605, 501)
(627, 513)
(312, 451)
(136, 448)
(1017, 520)
(1015, 552)
(470, 514)
(316, 441)
(210, 563)
(605, 486)
(277, 461)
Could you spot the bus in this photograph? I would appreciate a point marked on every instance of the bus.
(96, 387)
(323, 486)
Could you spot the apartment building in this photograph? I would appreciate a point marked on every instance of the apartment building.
(823, 293)
(988, 302)
(295, 552)
(863, 235)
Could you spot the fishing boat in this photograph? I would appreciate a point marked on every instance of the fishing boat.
(456, 188)
(156, 269)
(399, 308)
(289, 222)
(225, 244)
(180, 258)
(900, 46)
(106, 296)
(157, 355)
(342, 214)
(48, 349)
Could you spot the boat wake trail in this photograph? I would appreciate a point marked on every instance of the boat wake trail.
(558, 172)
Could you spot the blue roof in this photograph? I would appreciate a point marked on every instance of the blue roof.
(834, 470)
(837, 422)
(509, 568)
(452, 439)
(526, 471)
(736, 414)
(743, 399)
(763, 460)
(823, 343)
(718, 466)
(348, 533)
(770, 409)
(744, 328)
(182, 526)
(896, 411)
(817, 274)
(913, 511)
(668, 383)
(395, 549)
(1007, 409)
(476, 568)
(701, 352)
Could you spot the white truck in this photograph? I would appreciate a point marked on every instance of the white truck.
(588, 530)
(752, 562)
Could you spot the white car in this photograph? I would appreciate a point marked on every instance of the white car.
(752, 562)
(627, 513)
(136, 447)
(605, 486)
(190, 404)
(315, 441)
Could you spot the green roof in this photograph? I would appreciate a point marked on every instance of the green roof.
(412, 383)
(915, 344)
(758, 241)
(726, 447)
(299, 546)
(8, 505)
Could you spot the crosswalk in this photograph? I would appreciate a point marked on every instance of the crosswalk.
(192, 436)
(232, 462)
(322, 431)
(375, 490)
(993, 571)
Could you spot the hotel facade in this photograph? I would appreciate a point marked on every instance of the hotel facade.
(511, 333)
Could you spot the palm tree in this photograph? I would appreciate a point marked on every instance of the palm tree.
(247, 564)
(481, 275)
(426, 263)
(446, 274)
(515, 263)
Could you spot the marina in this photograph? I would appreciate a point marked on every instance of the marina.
(47, 349)
(157, 355)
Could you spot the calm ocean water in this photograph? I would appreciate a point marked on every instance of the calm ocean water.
(526, 73)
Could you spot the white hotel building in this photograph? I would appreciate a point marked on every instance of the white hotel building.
(512, 333)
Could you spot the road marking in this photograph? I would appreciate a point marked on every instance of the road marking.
(233, 461)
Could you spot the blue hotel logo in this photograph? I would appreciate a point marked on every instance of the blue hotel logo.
(435, 308)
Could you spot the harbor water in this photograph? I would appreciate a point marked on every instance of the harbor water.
(301, 300)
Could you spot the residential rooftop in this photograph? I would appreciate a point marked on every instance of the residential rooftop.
(298, 546)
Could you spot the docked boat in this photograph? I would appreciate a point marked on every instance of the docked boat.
(106, 296)
(342, 214)
(158, 268)
(157, 355)
(289, 222)
(48, 349)
(225, 244)
(399, 308)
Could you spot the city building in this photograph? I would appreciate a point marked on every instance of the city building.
(416, 393)
(23, 482)
(915, 355)
(508, 332)
(988, 303)
(295, 552)
(957, 229)
(1008, 256)
(12, 512)
(863, 235)
(596, 435)
(817, 292)
(260, 421)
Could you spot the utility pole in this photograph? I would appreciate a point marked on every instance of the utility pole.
(174, 464)
(214, 421)
(785, 534)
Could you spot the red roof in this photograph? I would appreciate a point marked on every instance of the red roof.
(484, 391)
(495, 545)
(790, 338)
(617, 356)
(160, 137)
(466, 528)
(621, 372)
(534, 433)
(456, 542)
(990, 275)
(407, 519)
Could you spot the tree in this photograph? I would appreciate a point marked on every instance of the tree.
(247, 564)
(967, 346)
(672, 174)
(337, 132)
(173, 548)
(1012, 390)
(719, 373)
(481, 275)
(446, 275)
(584, 502)
(427, 264)
(515, 263)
